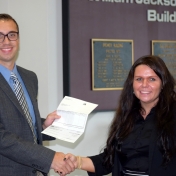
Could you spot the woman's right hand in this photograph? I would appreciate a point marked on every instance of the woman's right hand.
(72, 158)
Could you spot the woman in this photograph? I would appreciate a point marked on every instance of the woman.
(142, 136)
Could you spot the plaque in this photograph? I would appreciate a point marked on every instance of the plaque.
(111, 62)
(167, 51)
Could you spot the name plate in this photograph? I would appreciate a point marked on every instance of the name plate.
(167, 51)
(111, 62)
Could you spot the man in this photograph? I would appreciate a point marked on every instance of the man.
(21, 150)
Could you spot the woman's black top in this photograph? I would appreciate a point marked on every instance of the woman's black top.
(134, 153)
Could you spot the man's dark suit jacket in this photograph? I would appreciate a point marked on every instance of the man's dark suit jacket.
(18, 155)
(155, 160)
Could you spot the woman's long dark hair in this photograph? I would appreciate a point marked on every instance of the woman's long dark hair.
(124, 119)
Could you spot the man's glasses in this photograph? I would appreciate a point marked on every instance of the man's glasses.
(12, 36)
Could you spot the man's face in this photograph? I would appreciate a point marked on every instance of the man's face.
(8, 49)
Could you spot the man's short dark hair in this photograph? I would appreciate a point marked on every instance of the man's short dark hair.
(6, 17)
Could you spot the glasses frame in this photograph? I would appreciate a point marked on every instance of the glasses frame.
(8, 36)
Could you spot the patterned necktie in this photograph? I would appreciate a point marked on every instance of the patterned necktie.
(20, 96)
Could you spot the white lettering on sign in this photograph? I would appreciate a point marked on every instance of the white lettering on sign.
(157, 2)
(118, 1)
(152, 15)
(146, 2)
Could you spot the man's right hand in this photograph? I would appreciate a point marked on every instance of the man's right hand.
(62, 166)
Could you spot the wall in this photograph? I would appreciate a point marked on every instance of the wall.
(112, 20)
(41, 51)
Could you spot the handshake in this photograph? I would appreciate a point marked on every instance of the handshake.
(65, 164)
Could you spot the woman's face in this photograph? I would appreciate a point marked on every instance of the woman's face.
(146, 85)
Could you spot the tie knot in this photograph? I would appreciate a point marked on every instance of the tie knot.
(12, 74)
(14, 77)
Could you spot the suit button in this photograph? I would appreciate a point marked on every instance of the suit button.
(34, 171)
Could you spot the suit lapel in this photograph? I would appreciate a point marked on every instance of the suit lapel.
(32, 91)
(28, 84)
(9, 92)
(30, 88)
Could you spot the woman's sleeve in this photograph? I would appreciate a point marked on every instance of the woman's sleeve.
(100, 169)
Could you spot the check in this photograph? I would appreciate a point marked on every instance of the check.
(74, 113)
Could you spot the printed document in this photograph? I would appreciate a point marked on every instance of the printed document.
(74, 113)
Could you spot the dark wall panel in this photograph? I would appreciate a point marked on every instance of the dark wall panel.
(84, 20)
